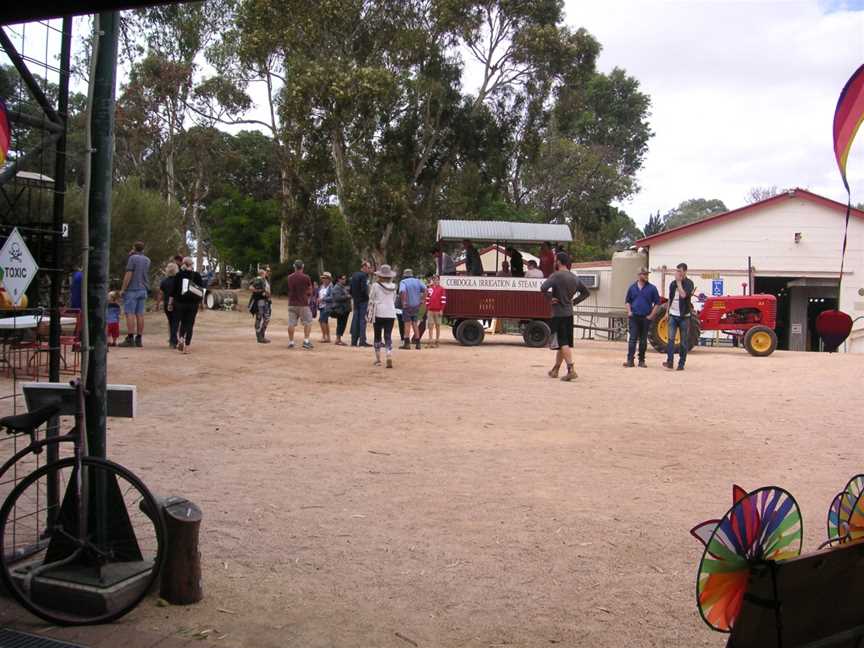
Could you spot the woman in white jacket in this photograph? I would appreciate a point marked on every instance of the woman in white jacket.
(382, 312)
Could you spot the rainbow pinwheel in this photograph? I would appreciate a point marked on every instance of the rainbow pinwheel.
(846, 513)
(762, 525)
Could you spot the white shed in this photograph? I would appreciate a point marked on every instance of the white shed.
(793, 241)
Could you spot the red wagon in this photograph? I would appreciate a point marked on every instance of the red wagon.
(471, 299)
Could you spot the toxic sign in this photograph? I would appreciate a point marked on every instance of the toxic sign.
(17, 267)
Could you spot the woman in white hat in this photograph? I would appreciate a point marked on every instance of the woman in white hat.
(325, 305)
(382, 312)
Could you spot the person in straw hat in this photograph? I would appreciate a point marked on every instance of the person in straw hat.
(382, 312)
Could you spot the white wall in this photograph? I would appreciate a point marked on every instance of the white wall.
(768, 236)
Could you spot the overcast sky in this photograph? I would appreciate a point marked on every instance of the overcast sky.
(743, 93)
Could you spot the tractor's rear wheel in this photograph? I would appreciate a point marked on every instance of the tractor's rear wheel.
(536, 334)
(760, 341)
(658, 333)
(470, 332)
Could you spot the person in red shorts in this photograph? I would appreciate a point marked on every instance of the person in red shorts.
(436, 299)
(112, 317)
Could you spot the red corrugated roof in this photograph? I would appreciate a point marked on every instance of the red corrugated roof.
(712, 220)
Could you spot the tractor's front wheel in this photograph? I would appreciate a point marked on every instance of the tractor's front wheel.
(760, 341)
(658, 333)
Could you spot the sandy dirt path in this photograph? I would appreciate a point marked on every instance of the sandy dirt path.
(464, 498)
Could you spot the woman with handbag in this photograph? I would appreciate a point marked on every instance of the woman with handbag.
(188, 292)
(382, 312)
(341, 308)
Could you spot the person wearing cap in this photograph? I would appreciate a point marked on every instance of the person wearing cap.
(382, 312)
(642, 301)
(325, 305)
(299, 292)
(564, 290)
(260, 304)
(412, 293)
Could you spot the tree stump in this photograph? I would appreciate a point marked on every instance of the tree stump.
(181, 573)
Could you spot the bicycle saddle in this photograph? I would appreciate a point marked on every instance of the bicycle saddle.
(31, 420)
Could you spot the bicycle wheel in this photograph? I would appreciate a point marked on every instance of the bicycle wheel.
(72, 578)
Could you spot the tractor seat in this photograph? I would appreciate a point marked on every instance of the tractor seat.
(31, 420)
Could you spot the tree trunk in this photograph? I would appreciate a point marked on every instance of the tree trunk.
(196, 225)
(285, 215)
(170, 177)
(181, 573)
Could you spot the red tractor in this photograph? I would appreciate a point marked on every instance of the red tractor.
(751, 316)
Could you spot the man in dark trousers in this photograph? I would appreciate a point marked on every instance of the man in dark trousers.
(359, 286)
(564, 290)
(641, 301)
(680, 293)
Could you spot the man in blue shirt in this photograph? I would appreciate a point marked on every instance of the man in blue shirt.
(642, 301)
(136, 285)
(412, 292)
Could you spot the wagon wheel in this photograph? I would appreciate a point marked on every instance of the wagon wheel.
(760, 341)
(470, 332)
(536, 334)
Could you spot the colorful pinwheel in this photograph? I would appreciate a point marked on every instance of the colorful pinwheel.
(846, 513)
(762, 525)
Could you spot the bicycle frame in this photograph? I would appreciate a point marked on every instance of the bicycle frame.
(76, 436)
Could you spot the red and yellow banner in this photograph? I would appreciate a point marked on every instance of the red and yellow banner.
(847, 119)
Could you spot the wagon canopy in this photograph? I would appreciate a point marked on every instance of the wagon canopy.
(502, 231)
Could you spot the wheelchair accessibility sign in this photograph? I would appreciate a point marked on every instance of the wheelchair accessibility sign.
(17, 267)
(717, 287)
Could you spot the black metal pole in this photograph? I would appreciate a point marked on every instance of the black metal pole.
(99, 213)
(28, 78)
(59, 196)
(749, 275)
(53, 492)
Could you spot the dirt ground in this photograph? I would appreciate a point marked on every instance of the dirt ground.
(464, 498)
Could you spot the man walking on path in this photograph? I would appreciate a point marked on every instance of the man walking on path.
(412, 291)
(641, 301)
(136, 283)
(436, 300)
(564, 290)
(299, 292)
(359, 286)
(261, 304)
(680, 292)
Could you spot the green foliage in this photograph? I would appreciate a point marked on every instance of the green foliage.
(692, 210)
(137, 214)
(245, 230)
(654, 225)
